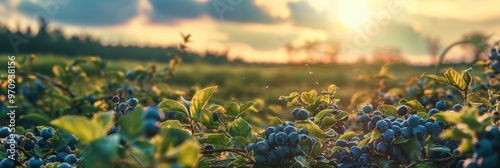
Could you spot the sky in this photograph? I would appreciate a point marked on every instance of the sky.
(260, 30)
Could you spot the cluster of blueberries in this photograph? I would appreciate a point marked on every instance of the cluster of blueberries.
(281, 142)
(33, 94)
(27, 143)
(495, 58)
(486, 151)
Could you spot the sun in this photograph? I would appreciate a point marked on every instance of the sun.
(353, 13)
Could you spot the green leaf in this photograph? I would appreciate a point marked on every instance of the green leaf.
(439, 148)
(376, 134)
(465, 146)
(101, 153)
(455, 79)
(338, 148)
(457, 134)
(348, 135)
(311, 128)
(186, 153)
(290, 98)
(401, 140)
(232, 110)
(473, 97)
(131, 125)
(104, 120)
(37, 118)
(199, 101)
(467, 78)
(422, 114)
(275, 121)
(239, 127)
(413, 149)
(328, 122)
(217, 108)
(436, 78)
(171, 106)
(316, 150)
(167, 139)
(172, 123)
(81, 127)
(323, 113)
(308, 97)
(145, 148)
(332, 88)
(380, 161)
(38, 151)
(246, 106)
(240, 140)
(448, 116)
(301, 159)
(218, 139)
(428, 165)
(60, 139)
(390, 110)
(414, 104)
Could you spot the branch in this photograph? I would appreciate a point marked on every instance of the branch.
(50, 80)
(440, 159)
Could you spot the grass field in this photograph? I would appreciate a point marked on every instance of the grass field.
(247, 82)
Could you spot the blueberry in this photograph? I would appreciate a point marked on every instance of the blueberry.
(250, 147)
(150, 128)
(215, 116)
(295, 150)
(261, 148)
(341, 143)
(375, 119)
(4, 132)
(7, 163)
(64, 165)
(382, 148)
(441, 105)
(46, 133)
(152, 113)
(490, 161)
(483, 147)
(439, 124)
(129, 110)
(371, 126)
(344, 156)
(303, 131)
(365, 149)
(260, 159)
(396, 129)
(293, 138)
(460, 163)
(115, 99)
(364, 118)
(364, 159)
(312, 118)
(377, 113)
(351, 144)
(283, 162)
(303, 137)
(413, 121)
(70, 159)
(368, 108)
(340, 129)
(52, 158)
(35, 162)
(279, 128)
(294, 112)
(268, 131)
(389, 135)
(429, 127)
(65, 149)
(382, 126)
(451, 144)
(405, 132)
(210, 147)
(130, 91)
(271, 158)
(289, 129)
(355, 139)
(457, 107)
(28, 144)
(133, 102)
(302, 115)
(433, 111)
(402, 110)
(271, 141)
(355, 152)
(472, 165)
(419, 131)
(335, 155)
(281, 138)
(283, 151)
(61, 156)
(122, 106)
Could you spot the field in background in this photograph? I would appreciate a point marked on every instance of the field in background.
(247, 82)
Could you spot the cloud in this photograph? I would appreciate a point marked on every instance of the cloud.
(173, 10)
(84, 13)
(474, 11)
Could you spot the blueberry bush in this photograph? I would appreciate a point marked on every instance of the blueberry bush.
(135, 120)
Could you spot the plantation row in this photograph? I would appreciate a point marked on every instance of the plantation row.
(133, 119)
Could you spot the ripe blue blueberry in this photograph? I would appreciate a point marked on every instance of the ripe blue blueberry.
(364, 118)
(289, 129)
(210, 147)
(250, 147)
(303, 131)
(215, 116)
(402, 110)
(283, 151)
(42, 143)
(28, 144)
(152, 113)
(122, 106)
(294, 112)
(268, 131)
(439, 124)
(441, 105)
(413, 121)
(150, 128)
(351, 144)
(35, 162)
(460, 163)
(364, 159)
(371, 126)
(115, 99)
(283, 162)
(389, 135)
(279, 128)
(7, 163)
(4, 132)
(302, 115)
(65, 149)
(368, 108)
(490, 161)
(340, 129)
(261, 148)
(405, 132)
(377, 113)
(46, 133)
(433, 111)
(419, 131)
(295, 150)
(429, 127)
(344, 156)
(382, 126)
(271, 158)
(457, 107)
(129, 110)
(382, 148)
(375, 119)
(293, 138)
(133, 102)
(396, 129)
(451, 144)
(271, 141)
(341, 143)
(483, 147)
(61, 156)
(355, 152)
(281, 138)
(70, 159)
(130, 91)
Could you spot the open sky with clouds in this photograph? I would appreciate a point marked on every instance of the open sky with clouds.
(258, 30)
